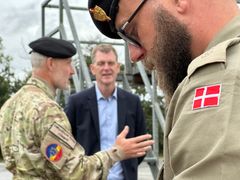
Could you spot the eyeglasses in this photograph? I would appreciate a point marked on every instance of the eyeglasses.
(121, 31)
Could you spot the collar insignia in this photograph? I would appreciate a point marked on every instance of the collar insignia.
(99, 14)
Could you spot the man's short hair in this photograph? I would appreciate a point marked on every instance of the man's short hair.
(37, 59)
(105, 48)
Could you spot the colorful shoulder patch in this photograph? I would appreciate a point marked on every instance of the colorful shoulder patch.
(54, 152)
(57, 145)
(206, 96)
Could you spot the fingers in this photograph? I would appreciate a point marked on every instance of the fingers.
(141, 138)
(133, 147)
(124, 132)
(143, 144)
(141, 152)
(142, 149)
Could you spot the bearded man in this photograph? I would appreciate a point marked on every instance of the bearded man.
(195, 48)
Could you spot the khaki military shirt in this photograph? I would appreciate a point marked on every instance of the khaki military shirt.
(203, 122)
(36, 141)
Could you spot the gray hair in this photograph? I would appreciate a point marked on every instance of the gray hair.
(105, 48)
(37, 59)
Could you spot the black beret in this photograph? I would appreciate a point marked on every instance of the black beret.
(110, 7)
(52, 47)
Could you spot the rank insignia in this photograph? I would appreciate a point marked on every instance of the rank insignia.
(207, 96)
(54, 152)
(99, 14)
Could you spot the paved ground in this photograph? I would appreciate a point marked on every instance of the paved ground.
(144, 172)
(4, 174)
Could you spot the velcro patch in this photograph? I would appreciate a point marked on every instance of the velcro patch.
(57, 145)
(206, 96)
(63, 135)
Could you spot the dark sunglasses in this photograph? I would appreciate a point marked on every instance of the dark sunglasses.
(121, 31)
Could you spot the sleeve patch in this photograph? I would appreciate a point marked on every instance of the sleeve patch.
(62, 134)
(207, 96)
(54, 152)
(57, 145)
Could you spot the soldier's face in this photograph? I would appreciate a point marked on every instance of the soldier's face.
(164, 43)
(62, 72)
(171, 53)
(140, 29)
(105, 68)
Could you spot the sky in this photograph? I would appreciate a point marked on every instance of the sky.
(21, 24)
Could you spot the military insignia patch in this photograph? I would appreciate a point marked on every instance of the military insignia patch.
(99, 14)
(207, 96)
(54, 152)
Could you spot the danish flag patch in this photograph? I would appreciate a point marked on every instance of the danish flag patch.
(207, 96)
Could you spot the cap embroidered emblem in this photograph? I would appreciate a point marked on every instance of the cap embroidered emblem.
(99, 14)
(206, 96)
(54, 152)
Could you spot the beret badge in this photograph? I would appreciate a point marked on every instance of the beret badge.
(99, 14)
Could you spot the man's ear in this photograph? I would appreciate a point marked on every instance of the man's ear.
(50, 63)
(182, 6)
(92, 69)
(119, 67)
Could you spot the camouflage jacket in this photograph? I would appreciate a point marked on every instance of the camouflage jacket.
(36, 139)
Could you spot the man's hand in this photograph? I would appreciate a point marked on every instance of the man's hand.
(132, 147)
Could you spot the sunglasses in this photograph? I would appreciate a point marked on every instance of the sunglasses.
(121, 31)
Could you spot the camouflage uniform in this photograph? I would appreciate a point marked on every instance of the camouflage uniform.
(36, 141)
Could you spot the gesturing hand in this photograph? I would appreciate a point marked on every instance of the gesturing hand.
(132, 147)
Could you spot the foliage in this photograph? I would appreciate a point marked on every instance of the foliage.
(8, 83)
(147, 108)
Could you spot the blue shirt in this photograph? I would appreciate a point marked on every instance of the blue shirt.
(108, 123)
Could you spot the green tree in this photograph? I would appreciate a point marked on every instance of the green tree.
(147, 108)
(9, 84)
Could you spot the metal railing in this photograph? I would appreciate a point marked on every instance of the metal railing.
(82, 78)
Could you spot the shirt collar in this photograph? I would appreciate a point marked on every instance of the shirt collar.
(100, 96)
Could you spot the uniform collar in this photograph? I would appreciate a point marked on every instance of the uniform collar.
(216, 50)
(230, 30)
(43, 85)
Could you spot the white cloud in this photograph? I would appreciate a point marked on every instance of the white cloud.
(21, 24)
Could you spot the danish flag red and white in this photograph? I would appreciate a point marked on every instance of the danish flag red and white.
(207, 96)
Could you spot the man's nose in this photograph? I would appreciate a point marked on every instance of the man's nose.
(136, 53)
(106, 66)
(72, 70)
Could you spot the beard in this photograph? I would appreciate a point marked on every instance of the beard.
(171, 53)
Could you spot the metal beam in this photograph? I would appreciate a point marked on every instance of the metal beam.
(77, 43)
(158, 111)
(71, 7)
(83, 76)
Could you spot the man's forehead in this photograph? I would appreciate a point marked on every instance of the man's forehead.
(105, 54)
